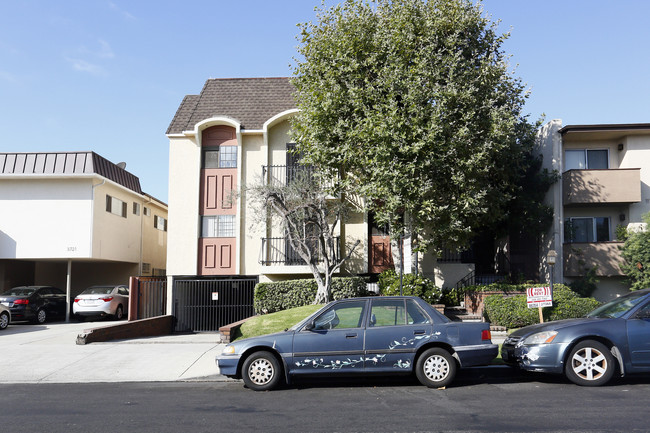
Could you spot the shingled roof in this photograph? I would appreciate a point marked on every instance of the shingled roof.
(251, 101)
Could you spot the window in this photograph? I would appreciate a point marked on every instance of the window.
(220, 157)
(115, 206)
(136, 208)
(147, 211)
(160, 223)
(581, 159)
(590, 229)
(343, 315)
(392, 312)
(218, 226)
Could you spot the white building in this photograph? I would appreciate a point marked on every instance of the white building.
(75, 219)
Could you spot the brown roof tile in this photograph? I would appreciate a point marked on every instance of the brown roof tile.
(251, 101)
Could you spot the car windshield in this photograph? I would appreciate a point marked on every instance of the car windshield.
(20, 291)
(618, 306)
(98, 291)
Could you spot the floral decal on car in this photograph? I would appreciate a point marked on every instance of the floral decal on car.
(339, 363)
(411, 342)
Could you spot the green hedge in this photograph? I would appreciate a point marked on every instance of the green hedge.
(283, 295)
(513, 312)
(412, 285)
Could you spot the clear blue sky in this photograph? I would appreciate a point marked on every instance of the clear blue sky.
(108, 76)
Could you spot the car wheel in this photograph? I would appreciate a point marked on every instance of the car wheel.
(41, 316)
(119, 313)
(590, 363)
(4, 320)
(261, 371)
(435, 368)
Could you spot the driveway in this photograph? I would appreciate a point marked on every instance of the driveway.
(49, 354)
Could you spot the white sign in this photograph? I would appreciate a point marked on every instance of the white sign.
(215, 296)
(539, 297)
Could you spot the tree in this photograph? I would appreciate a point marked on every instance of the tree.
(308, 217)
(412, 103)
(636, 252)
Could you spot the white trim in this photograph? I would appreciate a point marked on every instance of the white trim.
(278, 118)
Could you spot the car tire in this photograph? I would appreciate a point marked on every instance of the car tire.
(119, 313)
(261, 371)
(435, 368)
(41, 316)
(590, 363)
(4, 320)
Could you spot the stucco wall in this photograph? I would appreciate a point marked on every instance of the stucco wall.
(45, 218)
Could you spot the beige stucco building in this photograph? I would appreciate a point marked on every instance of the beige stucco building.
(75, 219)
(235, 134)
(605, 173)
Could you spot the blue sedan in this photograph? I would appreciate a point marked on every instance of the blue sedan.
(374, 335)
(614, 338)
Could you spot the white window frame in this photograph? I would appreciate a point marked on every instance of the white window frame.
(116, 206)
(218, 226)
(585, 152)
(594, 229)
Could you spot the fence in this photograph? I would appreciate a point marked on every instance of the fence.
(205, 304)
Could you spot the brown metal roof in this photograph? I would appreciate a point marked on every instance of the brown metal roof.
(251, 101)
(67, 163)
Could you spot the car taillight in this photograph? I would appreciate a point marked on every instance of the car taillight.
(77, 299)
(107, 299)
(486, 335)
(21, 301)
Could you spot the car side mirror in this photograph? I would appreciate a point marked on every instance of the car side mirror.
(310, 325)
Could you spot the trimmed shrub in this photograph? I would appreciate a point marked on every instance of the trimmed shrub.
(513, 312)
(283, 295)
(412, 285)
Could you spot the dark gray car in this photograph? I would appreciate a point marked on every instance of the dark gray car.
(34, 303)
(614, 338)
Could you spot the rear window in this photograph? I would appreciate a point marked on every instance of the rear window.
(20, 291)
(98, 291)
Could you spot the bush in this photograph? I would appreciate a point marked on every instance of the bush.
(513, 312)
(283, 295)
(412, 285)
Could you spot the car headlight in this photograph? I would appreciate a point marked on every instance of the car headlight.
(540, 338)
(228, 350)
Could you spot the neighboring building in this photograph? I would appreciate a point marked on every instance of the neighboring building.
(236, 133)
(75, 219)
(604, 185)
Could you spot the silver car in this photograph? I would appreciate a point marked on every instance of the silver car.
(110, 300)
(5, 317)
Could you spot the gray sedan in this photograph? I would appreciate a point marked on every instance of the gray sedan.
(614, 338)
(5, 316)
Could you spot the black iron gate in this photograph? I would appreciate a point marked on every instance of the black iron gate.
(205, 304)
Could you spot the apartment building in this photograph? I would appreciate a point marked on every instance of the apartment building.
(75, 219)
(235, 134)
(605, 173)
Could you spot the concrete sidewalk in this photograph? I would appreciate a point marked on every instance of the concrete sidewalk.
(49, 354)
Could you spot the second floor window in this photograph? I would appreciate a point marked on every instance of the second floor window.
(218, 226)
(583, 159)
(160, 223)
(589, 229)
(115, 206)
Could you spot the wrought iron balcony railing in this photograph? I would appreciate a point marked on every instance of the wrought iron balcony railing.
(278, 252)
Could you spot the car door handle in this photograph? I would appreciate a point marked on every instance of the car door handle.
(419, 332)
(350, 335)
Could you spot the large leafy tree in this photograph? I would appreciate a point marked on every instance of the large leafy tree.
(636, 252)
(413, 104)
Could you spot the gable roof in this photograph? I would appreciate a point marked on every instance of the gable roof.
(251, 101)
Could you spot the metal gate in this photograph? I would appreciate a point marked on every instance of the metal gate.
(206, 304)
(150, 295)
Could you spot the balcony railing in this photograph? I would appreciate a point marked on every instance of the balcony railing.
(613, 186)
(278, 252)
(284, 174)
